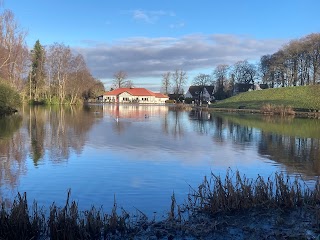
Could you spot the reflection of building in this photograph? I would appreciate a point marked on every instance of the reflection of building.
(133, 111)
(133, 95)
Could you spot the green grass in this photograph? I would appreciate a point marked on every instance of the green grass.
(299, 98)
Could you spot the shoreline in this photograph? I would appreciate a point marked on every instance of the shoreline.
(300, 114)
(276, 208)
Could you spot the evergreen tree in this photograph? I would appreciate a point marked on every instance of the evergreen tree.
(37, 75)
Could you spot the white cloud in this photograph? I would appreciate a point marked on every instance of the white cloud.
(150, 57)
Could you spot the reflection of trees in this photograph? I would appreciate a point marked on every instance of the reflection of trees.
(302, 154)
(37, 133)
(66, 130)
(229, 131)
(12, 150)
(219, 126)
(297, 153)
(173, 124)
(242, 134)
(201, 121)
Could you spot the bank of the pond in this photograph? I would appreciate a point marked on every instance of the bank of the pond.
(231, 208)
(302, 114)
(301, 101)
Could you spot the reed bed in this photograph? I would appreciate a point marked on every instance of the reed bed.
(215, 195)
(281, 110)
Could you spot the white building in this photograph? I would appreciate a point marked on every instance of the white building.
(133, 95)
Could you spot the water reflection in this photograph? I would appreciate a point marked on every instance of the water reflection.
(12, 152)
(294, 143)
(145, 150)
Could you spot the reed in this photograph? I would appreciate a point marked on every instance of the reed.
(237, 192)
(215, 195)
(281, 110)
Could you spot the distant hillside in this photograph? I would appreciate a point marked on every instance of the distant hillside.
(299, 98)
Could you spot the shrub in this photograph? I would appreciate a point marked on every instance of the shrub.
(10, 99)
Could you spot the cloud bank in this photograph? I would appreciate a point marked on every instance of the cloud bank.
(144, 57)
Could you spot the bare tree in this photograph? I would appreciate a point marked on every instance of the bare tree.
(220, 74)
(179, 79)
(13, 50)
(166, 83)
(59, 65)
(120, 79)
(244, 72)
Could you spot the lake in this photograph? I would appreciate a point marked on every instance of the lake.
(141, 154)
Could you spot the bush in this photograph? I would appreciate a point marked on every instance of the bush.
(10, 99)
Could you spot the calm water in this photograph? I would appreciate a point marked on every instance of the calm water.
(142, 154)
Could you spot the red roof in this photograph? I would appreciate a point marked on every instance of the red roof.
(135, 92)
(160, 95)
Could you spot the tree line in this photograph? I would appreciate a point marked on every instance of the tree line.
(296, 64)
(51, 74)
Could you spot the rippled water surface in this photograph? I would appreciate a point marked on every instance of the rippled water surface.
(139, 154)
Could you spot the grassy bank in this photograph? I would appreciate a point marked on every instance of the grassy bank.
(298, 98)
(211, 211)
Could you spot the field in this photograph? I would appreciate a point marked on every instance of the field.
(302, 98)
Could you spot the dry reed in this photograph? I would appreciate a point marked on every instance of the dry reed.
(214, 195)
(281, 110)
(239, 193)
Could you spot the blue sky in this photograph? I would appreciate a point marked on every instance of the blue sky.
(146, 38)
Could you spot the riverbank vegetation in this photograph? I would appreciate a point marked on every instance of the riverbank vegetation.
(216, 209)
(302, 98)
(9, 99)
(53, 74)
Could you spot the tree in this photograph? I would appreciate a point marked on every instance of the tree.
(220, 74)
(13, 50)
(166, 83)
(120, 79)
(59, 65)
(37, 74)
(201, 80)
(179, 79)
(244, 72)
(96, 89)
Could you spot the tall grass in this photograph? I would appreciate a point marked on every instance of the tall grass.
(239, 193)
(214, 195)
(281, 110)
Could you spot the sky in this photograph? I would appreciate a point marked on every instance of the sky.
(146, 38)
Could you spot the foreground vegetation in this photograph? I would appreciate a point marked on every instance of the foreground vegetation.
(9, 99)
(205, 214)
(305, 98)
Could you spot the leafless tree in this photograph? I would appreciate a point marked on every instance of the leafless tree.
(179, 79)
(13, 50)
(220, 74)
(244, 72)
(120, 79)
(166, 82)
(202, 80)
(59, 64)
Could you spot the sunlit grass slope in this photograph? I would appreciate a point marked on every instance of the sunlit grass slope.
(304, 97)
